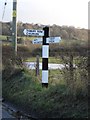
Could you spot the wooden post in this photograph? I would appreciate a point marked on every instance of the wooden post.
(37, 65)
(71, 82)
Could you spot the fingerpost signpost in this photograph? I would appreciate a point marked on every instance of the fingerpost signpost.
(45, 40)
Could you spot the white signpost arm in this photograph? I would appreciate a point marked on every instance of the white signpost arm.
(49, 40)
(32, 32)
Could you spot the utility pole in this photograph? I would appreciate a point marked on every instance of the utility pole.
(14, 26)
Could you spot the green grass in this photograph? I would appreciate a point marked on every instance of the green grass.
(27, 38)
(33, 59)
(50, 60)
(25, 90)
(2, 37)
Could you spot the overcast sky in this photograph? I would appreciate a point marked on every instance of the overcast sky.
(49, 12)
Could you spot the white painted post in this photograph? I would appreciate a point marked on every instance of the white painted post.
(45, 55)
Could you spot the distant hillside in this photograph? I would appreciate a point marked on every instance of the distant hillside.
(66, 32)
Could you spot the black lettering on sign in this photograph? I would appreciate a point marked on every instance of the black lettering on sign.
(37, 33)
(34, 31)
(40, 31)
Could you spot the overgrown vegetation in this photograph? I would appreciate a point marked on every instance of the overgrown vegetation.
(55, 102)
(66, 96)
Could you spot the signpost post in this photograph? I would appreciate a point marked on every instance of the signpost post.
(45, 48)
(45, 55)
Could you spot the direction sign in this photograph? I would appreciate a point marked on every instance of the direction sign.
(37, 41)
(48, 40)
(32, 32)
(53, 40)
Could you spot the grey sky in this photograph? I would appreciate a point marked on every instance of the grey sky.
(48, 12)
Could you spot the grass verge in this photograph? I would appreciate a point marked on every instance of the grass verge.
(24, 90)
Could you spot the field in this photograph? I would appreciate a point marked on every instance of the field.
(50, 60)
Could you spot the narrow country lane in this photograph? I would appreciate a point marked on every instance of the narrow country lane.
(6, 114)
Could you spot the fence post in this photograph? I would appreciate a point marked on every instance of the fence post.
(71, 74)
(37, 65)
